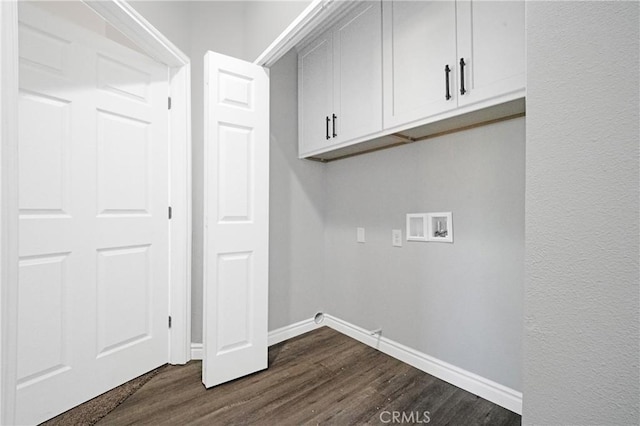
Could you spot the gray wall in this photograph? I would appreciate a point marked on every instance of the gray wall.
(170, 17)
(460, 302)
(215, 26)
(297, 203)
(242, 29)
(265, 20)
(581, 350)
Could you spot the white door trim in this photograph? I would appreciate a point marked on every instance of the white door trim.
(8, 207)
(125, 19)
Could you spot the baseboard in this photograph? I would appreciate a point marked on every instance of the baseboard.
(484, 388)
(275, 336)
(196, 351)
(290, 331)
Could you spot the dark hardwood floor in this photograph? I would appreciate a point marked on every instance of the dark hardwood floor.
(321, 377)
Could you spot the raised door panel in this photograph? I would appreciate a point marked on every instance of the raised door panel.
(491, 43)
(44, 166)
(315, 94)
(43, 321)
(235, 178)
(419, 41)
(123, 321)
(357, 45)
(123, 165)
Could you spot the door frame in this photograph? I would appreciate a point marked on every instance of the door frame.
(124, 18)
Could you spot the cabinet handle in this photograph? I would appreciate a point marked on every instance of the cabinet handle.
(447, 70)
(335, 118)
(462, 89)
(327, 127)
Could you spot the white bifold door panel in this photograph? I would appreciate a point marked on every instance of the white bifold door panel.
(236, 218)
(93, 197)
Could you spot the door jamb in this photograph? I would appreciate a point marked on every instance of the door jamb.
(8, 207)
(124, 18)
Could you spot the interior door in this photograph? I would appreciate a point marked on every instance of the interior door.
(93, 197)
(236, 218)
(419, 41)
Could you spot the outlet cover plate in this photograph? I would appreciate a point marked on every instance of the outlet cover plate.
(396, 237)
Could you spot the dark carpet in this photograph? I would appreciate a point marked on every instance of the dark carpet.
(89, 413)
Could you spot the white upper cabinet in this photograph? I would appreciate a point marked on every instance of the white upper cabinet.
(444, 55)
(357, 47)
(392, 72)
(491, 43)
(340, 81)
(315, 93)
(419, 43)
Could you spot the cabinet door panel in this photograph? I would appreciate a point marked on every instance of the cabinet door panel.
(419, 40)
(315, 93)
(491, 41)
(357, 44)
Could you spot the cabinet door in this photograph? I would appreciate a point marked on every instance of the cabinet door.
(419, 41)
(491, 42)
(315, 94)
(357, 45)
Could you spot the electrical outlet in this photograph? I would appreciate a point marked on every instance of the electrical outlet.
(360, 235)
(396, 237)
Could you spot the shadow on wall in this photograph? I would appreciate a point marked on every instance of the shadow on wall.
(297, 200)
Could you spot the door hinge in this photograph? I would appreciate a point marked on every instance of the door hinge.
(169, 321)
(169, 102)
(170, 212)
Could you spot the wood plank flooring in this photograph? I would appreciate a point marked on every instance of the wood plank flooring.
(321, 377)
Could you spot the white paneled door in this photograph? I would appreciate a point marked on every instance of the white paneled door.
(93, 198)
(236, 218)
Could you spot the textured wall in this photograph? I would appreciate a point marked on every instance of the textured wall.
(297, 203)
(581, 293)
(460, 302)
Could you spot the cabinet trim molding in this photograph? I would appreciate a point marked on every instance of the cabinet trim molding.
(317, 17)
